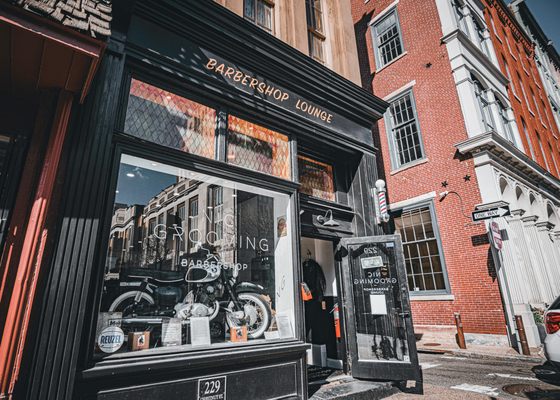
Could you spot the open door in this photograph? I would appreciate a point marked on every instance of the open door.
(379, 334)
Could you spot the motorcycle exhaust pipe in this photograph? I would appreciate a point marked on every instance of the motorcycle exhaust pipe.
(147, 321)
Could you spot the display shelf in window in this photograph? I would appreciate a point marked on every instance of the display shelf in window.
(167, 119)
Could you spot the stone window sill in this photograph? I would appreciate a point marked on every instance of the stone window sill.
(391, 62)
(410, 165)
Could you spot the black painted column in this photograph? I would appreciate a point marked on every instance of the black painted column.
(52, 354)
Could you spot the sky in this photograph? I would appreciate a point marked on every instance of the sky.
(547, 13)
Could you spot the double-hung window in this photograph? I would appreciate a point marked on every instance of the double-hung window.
(259, 12)
(422, 249)
(542, 151)
(481, 37)
(405, 138)
(460, 17)
(508, 133)
(508, 74)
(315, 29)
(526, 133)
(484, 106)
(388, 39)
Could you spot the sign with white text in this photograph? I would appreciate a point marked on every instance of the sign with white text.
(496, 212)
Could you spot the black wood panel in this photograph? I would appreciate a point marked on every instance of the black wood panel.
(262, 383)
(59, 310)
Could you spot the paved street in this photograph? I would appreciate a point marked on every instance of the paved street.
(451, 377)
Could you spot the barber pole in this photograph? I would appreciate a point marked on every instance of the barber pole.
(381, 202)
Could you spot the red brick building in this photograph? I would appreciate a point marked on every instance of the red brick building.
(451, 126)
(530, 104)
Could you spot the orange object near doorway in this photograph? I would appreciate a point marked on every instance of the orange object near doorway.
(336, 316)
(305, 292)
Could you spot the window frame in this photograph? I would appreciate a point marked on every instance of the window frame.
(387, 14)
(312, 32)
(435, 224)
(393, 146)
(254, 19)
(483, 105)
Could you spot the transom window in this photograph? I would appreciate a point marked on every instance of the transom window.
(316, 178)
(422, 252)
(315, 28)
(388, 39)
(259, 12)
(405, 138)
(167, 119)
(258, 148)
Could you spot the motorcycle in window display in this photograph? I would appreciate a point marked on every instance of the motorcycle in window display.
(206, 290)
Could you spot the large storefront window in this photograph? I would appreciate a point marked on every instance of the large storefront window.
(164, 118)
(194, 261)
(260, 149)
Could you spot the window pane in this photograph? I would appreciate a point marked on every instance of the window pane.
(167, 119)
(316, 178)
(421, 249)
(388, 39)
(405, 131)
(258, 148)
(236, 233)
(250, 9)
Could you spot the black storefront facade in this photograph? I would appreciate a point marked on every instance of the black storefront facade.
(206, 146)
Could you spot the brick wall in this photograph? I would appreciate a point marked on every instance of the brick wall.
(521, 64)
(465, 247)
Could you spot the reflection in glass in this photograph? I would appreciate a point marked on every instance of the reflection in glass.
(316, 178)
(260, 149)
(167, 119)
(378, 308)
(187, 247)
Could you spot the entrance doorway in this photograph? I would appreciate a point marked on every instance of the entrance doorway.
(321, 312)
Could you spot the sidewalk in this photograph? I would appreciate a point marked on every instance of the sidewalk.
(433, 345)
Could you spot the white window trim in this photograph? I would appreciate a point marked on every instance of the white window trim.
(399, 91)
(412, 201)
(383, 13)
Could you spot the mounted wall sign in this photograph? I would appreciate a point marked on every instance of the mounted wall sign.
(193, 58)
(212, 388)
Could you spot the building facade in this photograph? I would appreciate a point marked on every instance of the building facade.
(454, 140)
(220, 155)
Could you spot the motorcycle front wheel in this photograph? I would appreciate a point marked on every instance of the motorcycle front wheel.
(125, 302)
(257, 312)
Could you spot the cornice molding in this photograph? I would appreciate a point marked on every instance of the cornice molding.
(507, 156)
(480, 56)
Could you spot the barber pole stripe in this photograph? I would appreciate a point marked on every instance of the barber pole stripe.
(382, 203)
